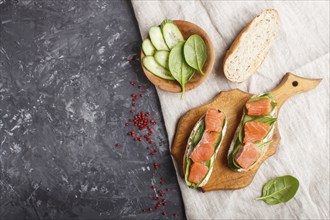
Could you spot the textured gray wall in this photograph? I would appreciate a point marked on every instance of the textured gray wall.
(65, 96)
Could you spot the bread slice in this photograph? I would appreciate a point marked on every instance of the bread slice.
(251, 46)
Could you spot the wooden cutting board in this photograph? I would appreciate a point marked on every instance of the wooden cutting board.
(232, 103)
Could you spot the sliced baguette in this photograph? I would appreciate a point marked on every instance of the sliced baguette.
(251, 46)
(190, 148)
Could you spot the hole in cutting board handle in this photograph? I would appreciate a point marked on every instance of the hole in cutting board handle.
(295, 83)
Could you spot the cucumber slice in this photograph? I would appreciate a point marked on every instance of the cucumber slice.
(157, 39)
(171, 33)
(161, 57)
(148, 48)
(150, 63)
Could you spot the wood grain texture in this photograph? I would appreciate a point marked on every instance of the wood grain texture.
(187, 29)
(232, 103)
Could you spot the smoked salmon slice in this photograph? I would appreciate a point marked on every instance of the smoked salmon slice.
(210, 137)
(214, 120)
(197, 172)
(255, 131)
(247, 155)
(260, 107)
(202, 152)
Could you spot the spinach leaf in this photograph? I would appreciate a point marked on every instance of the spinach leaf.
(263, 96)
(179, 69)
(198, 134)
(262, 144)
(189, 161)
(207, 163)
(268, 119)
(241, 134)
(273, 104)
(194, 51)
(231, 158)
(279, 189)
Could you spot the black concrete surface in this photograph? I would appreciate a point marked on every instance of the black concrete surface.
(65, 96)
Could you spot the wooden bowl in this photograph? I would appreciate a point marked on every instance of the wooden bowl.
(187, 29)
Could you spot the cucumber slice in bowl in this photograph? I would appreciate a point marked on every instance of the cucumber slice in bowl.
(171, 33)
(150, 64)
(148, 48)
(157, 39)
(161, 57)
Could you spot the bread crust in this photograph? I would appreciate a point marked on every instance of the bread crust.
(237, 42)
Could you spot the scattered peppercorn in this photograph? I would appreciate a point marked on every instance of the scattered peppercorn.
(158, 205)
(141, 129)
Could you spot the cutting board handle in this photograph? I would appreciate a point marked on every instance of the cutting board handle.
(291, 85)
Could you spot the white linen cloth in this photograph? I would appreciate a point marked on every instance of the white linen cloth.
(301, 47)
